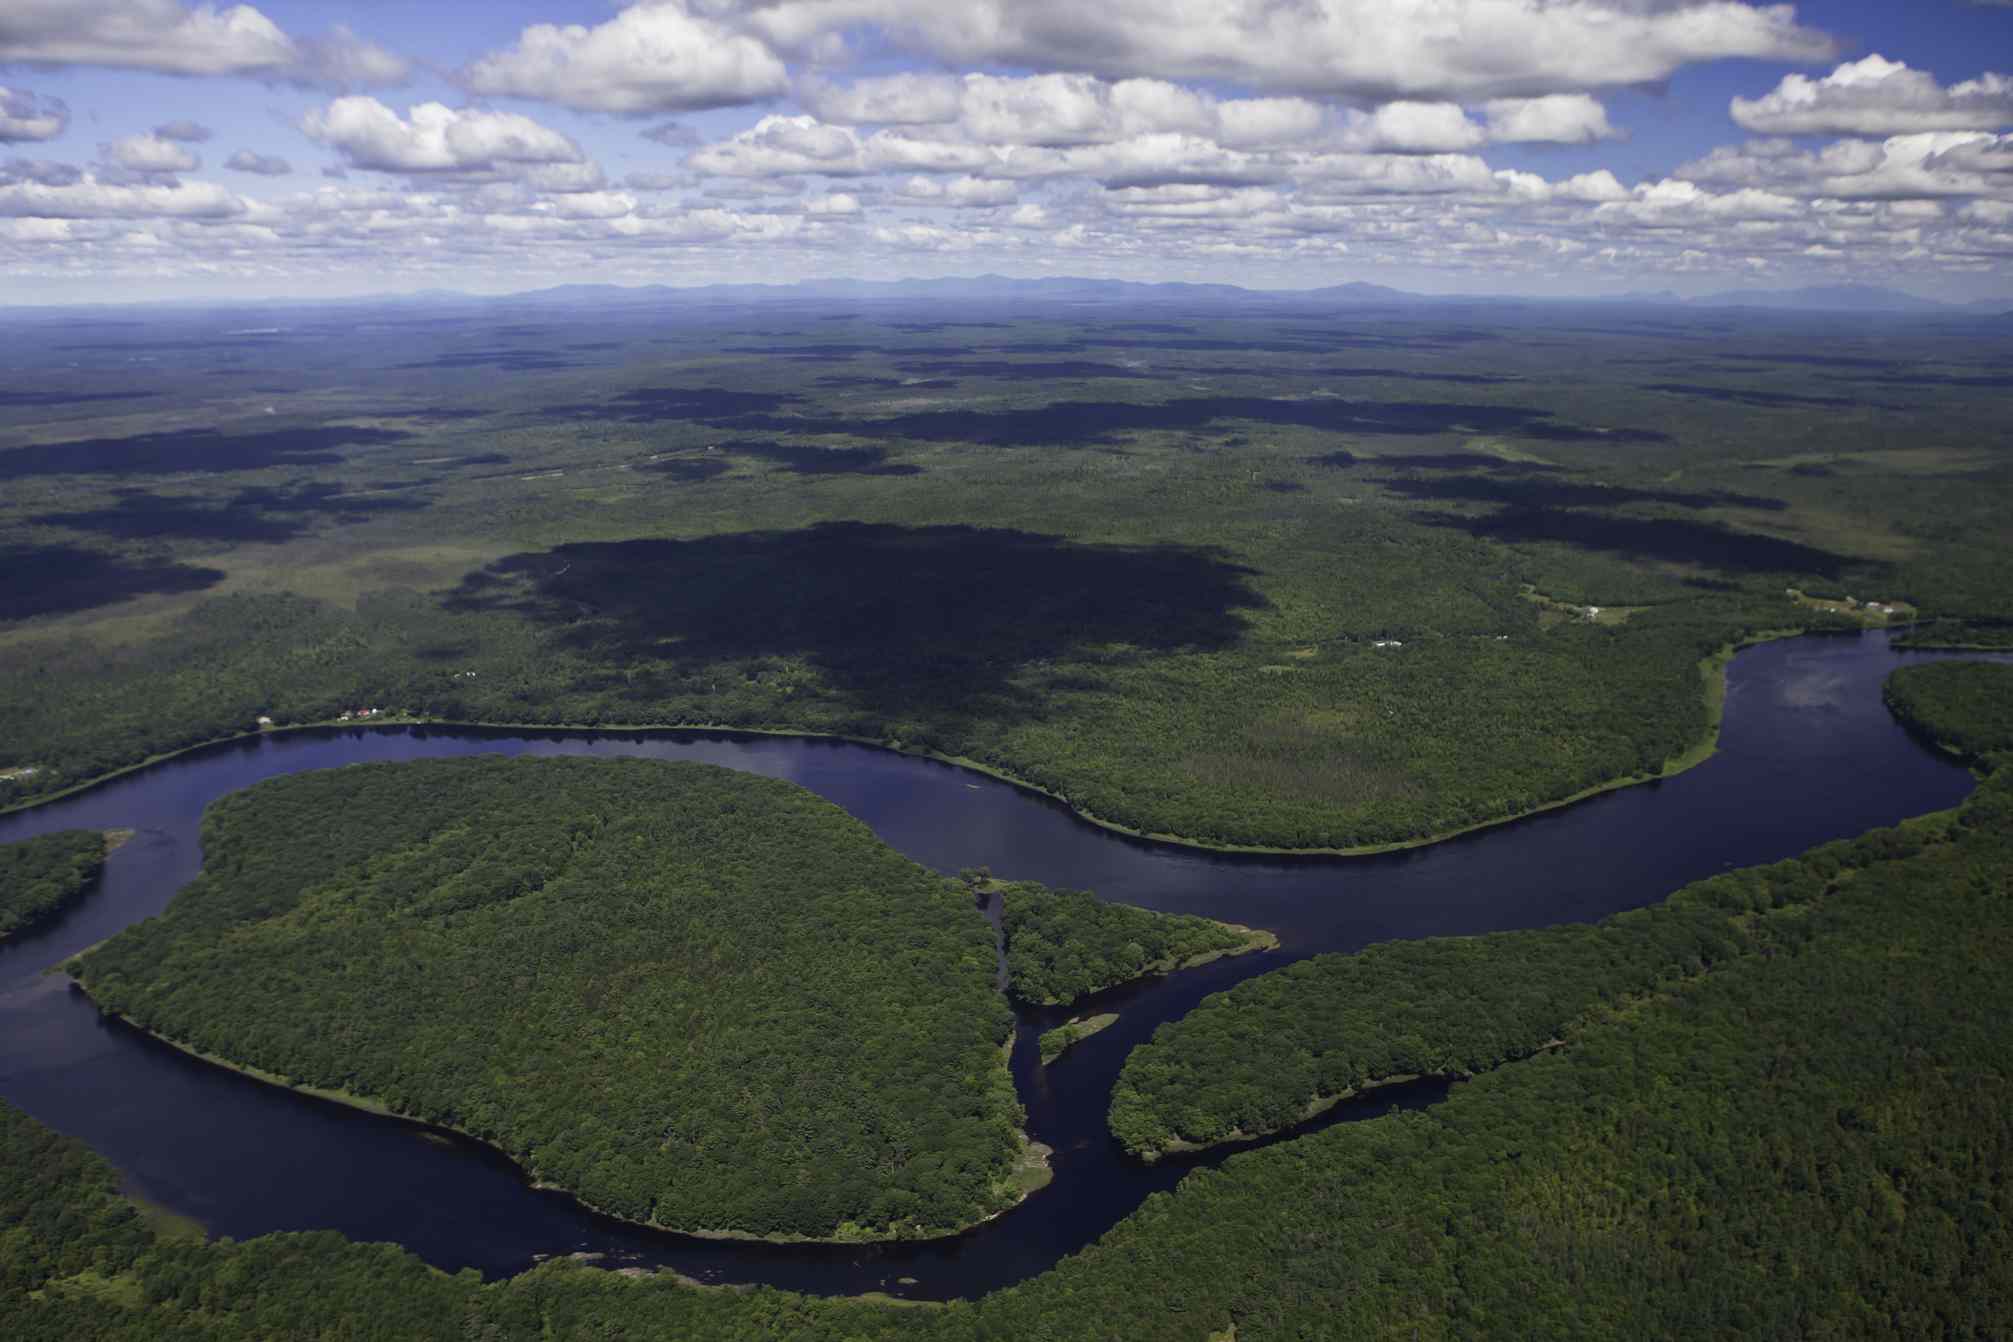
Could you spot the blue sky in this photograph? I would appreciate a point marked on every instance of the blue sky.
(152, 148)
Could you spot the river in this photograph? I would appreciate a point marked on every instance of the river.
(1807, 753)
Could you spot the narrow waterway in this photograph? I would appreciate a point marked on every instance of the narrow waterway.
(1808, 753)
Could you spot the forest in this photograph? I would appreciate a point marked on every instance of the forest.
(1261, 591)
(1966, 706)
(1066, 944)
(41, 876)
(1796, 1143)
(683, 994)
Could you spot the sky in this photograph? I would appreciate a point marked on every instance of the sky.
(154, 149)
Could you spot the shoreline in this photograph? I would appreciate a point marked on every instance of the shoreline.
(1031, 1151)
(1712, 669)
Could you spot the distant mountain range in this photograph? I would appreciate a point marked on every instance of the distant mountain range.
(1003, 289)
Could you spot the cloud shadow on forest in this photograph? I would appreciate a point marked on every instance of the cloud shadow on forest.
(57, 579)
(42, 400)
(1660, 539)
(903, 620)
(1548, 492)
(204, 450)
(654, 404)
(1102, 423)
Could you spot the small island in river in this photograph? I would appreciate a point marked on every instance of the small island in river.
(40, 877)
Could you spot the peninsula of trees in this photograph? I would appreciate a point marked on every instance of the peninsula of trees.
(42, 875)
(1066, 944)
(688, 996)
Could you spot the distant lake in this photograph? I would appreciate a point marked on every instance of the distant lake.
(1808, 753)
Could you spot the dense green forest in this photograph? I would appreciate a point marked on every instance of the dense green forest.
(1802, 1141)
(1066, 944)
(684, 994)
(1967, 706)
(38, 876)
(1164, 606)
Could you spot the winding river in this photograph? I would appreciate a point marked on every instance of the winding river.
(1807, 753)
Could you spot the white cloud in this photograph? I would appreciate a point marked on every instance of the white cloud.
(265, 165)
(1877, 96)
(780, 145)
(1559, 118)
(174, 38)
(150, 154)
(1412, 128)
(907, 99)
(1368, 49)
(835, 204)
(25, 117)
(649, 58)
(960, 192)
(89, 198)
(41, 171)
(433, 137)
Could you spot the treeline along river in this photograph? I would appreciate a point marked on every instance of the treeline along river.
(1808, 753)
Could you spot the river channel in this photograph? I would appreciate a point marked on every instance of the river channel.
(1807, 753)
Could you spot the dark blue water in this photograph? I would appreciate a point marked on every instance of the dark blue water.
(1808, 753)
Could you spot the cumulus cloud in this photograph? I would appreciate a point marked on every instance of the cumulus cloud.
(25, 117)
(1412, 128)
(781, 145)
(1877, 96)
(40, 171)
(649, 58)
(1922, 166)
(1558, 118)
(174, 38)
(907, 99)
(957, 192)
(433, 137)
(265, 165)
(1380, 50)
(89, 198)
(149, 154)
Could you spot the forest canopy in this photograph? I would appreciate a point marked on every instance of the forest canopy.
(1066, 944)
(41, 875)
(1967, 706)
(684, 994)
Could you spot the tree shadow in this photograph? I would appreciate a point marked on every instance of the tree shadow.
(1657, 539)
(204, 450)
(903, 620)
(56, 579)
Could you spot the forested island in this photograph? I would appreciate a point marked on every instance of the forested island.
(1066, 944)
(686, 995)
(39, 877)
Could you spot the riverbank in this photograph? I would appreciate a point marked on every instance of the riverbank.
(1056, 1042)
(1031, 1171)
(1712, 669)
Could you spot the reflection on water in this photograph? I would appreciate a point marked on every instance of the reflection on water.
(246, 1158)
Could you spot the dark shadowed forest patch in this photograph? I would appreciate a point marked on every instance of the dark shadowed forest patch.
(848, 381)
(1285, 486)
(1006, 370)
(1475, 379)
(1101, 423)
(1338, 460)
(652, 404)
(511, 360)
(1815, 360)
(192, 450)
(1655, 539)
(1555, 493)
(1760, 400)
(54, 579)
(140, 514)
(42, 399)
(1463, 461)
(903, 619)
(800, 459)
